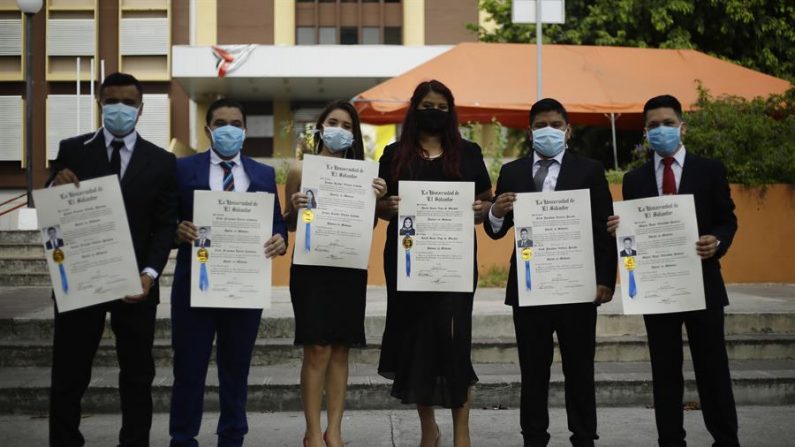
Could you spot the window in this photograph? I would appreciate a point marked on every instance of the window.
(349, 35)
(393, 35)
(328, 36)
(305, 36)
(371, 36)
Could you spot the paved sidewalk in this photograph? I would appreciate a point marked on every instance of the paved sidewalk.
(619, 427)
(35, 302)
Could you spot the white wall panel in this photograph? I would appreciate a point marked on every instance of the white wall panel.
(11, 128)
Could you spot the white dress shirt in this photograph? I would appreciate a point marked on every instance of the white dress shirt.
(676, 166)
(217, 173)
(125, 153)
(550, 182)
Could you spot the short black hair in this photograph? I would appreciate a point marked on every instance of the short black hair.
(627, 239)
(121, 79)
(52, 228)
(224, 102)
(548, 105)
(523, 229)
(663, 101)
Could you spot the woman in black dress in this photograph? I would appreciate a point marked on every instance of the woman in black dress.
(328, 302)
(427, 341)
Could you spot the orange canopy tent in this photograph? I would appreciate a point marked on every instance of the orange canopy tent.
(499, 81)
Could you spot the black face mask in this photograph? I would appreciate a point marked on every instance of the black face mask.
(432, 120)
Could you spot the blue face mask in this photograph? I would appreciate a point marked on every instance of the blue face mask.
(549, 141)
(119, 118)
(665, 140)
(228, 140)
(336, 139)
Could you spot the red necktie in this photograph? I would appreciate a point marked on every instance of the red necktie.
(669, 181)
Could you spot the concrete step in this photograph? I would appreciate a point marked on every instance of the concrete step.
(276, 388)
(22, 353)
(20, 237)
(484, 326)
(37, 266)
(42, 279)
(21, 251)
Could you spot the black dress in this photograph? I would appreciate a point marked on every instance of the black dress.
(329, 304)
(427, 342)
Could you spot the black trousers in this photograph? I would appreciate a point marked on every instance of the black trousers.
(575, 325)
(77, 336)
(711, 366)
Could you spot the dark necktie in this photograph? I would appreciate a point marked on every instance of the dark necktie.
(229, 179)
(669, 180)
(541, 174)
(115, 156)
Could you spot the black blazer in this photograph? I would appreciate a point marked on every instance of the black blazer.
(148, 189)
(625, 253)
(706, 180)
(59, 243)
(576, 172)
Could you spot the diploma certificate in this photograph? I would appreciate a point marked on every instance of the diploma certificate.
(229, 268)
(554, 248)
(436, 236)
(336, 228)
(658, 265)
(87, 243)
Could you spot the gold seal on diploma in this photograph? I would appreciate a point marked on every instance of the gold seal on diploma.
(202, 255)
(58, 256)
(407, 243)
(527, 254)
(308, 216)
(629, 263)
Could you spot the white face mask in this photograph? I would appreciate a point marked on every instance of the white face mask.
(336, 139)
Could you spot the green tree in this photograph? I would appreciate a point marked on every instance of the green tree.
(759, 34)
(755, 139)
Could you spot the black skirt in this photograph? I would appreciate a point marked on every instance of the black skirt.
(329, 305)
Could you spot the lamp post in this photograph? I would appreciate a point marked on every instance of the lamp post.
(29, 7)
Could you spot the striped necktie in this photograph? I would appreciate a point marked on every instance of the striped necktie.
(229, 179)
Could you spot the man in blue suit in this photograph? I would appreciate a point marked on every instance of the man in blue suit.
(222, 168)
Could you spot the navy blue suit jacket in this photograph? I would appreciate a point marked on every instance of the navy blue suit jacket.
(193, 174)
(706, 180)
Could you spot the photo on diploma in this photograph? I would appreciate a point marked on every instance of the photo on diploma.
(311, 197)
(628, 244)
(204, 239)
(525, 239)
(407, 226)
(52, 236)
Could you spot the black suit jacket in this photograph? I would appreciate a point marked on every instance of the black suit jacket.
(576, 172)
(59, 243)
(706, 180)
(148, 189)
(631, 252)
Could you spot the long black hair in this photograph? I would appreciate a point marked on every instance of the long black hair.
(409, 150)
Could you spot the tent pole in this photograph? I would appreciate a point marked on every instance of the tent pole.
(615, 146)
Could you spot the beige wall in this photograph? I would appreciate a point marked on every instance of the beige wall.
(446, 20)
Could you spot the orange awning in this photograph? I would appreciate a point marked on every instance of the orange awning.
(499, 81)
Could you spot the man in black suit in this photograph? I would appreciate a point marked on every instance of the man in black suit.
(147, 176)
(553, 168)
(673, 170)
(203, 240)
(524, 240)
(628, 251)
(54, 241)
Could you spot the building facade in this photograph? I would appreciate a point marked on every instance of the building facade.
(283, 59)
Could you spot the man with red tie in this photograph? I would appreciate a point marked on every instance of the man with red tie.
(673, 170)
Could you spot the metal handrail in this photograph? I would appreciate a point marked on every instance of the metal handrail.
(14, 198)
(14, 207)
